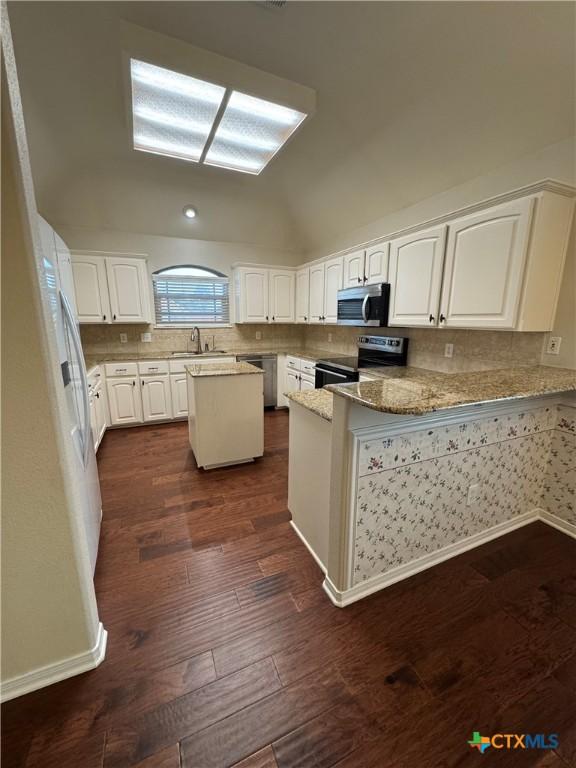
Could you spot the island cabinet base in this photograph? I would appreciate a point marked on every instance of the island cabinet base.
(408, 492)
(225, 419)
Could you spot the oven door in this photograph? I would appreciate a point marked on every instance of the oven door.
(327, 375)
(365, 306)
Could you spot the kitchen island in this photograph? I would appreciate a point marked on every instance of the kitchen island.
(225, 413)
(424, 465)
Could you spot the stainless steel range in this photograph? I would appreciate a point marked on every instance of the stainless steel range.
(373, 352)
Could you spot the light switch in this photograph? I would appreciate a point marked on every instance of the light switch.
(258, 335)
(123, 338)
(553, 346)
(145, 337)
(473, 494)
(448, 350)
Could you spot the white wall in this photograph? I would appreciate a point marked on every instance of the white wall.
(557, 161)
(48, 603)
(168, 251)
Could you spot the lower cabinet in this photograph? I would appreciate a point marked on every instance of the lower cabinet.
(292, 381)
(307, 382)
(124, 400)
(179, 391)
(156, 398)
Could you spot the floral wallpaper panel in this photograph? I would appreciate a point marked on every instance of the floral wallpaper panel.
(559, 494)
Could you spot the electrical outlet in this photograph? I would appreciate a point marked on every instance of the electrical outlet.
(448, 350)
(329, 338)
(146, 337)
(473, 494)
(258, 335)
(123, 338)
(553, 346)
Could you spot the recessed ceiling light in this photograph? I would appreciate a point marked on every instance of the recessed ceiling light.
(189, 212)
(190, 119)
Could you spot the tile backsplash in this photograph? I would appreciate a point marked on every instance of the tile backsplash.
(472, 350)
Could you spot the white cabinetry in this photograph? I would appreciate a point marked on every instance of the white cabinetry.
(368, 266)
(264, 295)
(156, 398)
(282, 295)
(416, 277)
(299, 374)
(128, 287)
(332, 284)
(111, 289)
(91, 289)
(302, 295)
(317, 293)
(124, 400)
(179, 395)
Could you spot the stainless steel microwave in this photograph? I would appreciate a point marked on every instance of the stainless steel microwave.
(365, 305)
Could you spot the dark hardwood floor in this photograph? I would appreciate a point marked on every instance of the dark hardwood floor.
(223, 649)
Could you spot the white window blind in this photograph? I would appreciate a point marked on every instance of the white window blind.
(191, 299)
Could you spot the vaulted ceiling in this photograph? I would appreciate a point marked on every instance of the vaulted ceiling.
(412, 99)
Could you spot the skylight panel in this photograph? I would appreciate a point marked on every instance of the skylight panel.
(173, 114)
(250, 133)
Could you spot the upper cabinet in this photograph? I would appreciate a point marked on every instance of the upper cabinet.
(366, 267)
(316, 314)
(282, 295)
(264, 295)
(91, 289)
(111, 289)
(302, 295)
(332, 284)
(416, 277)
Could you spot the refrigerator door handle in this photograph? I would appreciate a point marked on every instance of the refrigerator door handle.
(70, 322)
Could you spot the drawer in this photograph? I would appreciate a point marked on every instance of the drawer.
(309, 379)
(179, 366)
(309, 367)
(294, 363)
(121, 369)
(153, 367)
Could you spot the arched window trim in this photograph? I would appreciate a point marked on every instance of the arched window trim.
(185, 301)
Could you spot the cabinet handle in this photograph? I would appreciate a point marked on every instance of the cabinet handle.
(305, 318)
(431, 318)
(103, 317)
(98, 395)
(273, 318)
(142, 382)
(266, 317)
(113, 317)
(133, 383)
(442, 319)
(359, 280)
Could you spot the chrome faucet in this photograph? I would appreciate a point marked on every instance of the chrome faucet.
(195, 336)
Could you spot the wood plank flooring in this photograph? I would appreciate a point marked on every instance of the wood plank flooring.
(224, 650)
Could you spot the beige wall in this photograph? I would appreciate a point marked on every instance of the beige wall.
(565, 324)
(48, 604)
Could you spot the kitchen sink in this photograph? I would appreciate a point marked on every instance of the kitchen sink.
(200, 354)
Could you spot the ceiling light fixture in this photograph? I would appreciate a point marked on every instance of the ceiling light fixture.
(190, 119)
(189, 212)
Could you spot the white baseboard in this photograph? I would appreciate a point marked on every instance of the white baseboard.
(54, 673)
(319, 562)
(342, 598)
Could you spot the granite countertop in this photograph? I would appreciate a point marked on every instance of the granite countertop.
(319, 401)
(308, 353)
(221, 369)
(419, 391)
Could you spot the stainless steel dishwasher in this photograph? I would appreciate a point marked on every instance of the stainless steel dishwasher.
(268, 364)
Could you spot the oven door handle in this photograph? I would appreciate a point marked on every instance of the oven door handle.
(331, 373)
(365, 308)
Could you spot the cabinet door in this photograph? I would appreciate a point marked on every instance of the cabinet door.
(156, 398)
(332, 284)
(317, 294)
(282, 295)
(179, 389)
(376, 264)
(306, 384)
(254, 287)
(129, 292)
(485, 259)
(124, 400)
(292, 381)
(353, 269)
(302, 295)
(416, 276)
(101, 421)
(91, 289)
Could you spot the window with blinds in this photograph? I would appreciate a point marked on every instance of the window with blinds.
(188, 296)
